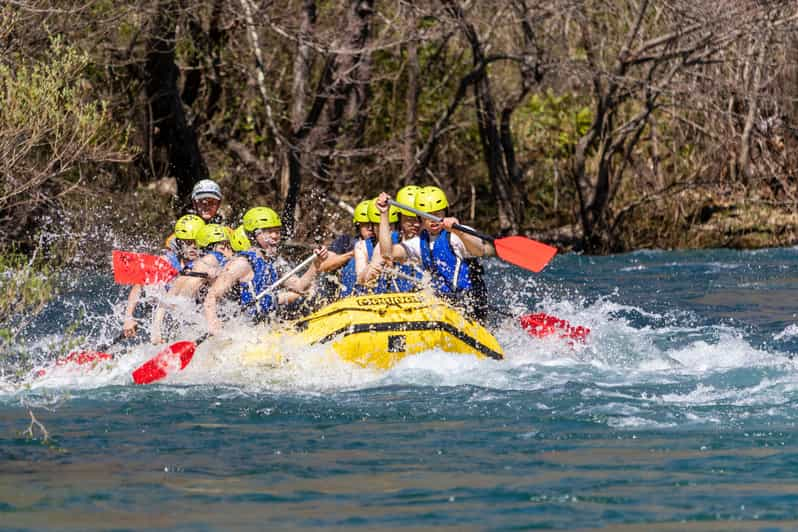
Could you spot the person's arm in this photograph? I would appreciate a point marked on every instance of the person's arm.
(184, 286)
(335, 261)
(237, 269)
(373, 269)
(474, 245)
(299, 285)
(155, 328)
(361, 261)
(390, 251)
(207, 264)
(129, 324)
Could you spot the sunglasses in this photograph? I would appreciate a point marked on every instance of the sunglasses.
(207, 203)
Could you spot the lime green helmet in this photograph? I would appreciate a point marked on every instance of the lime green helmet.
(374, 213)
(211, 234)
(261, 218)
(361, 215)
(187, 227)
(407, 195)
(239, 240)
(431, 199)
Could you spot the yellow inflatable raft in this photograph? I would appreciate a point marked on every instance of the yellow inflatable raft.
(379, 330)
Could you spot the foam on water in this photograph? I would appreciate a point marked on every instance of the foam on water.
(630, 345)
(678, 412)
(616, 349)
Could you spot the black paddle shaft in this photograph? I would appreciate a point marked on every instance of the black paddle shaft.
(429, 216)
(119, 338)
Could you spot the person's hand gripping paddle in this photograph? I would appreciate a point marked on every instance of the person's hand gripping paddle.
(178, 355)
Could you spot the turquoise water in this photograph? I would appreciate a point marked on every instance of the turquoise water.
(678, 414)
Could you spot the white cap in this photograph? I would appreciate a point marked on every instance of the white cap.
(206, 188)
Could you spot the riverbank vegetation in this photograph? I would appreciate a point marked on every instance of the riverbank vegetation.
(599, 125)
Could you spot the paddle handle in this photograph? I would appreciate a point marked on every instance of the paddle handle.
(115, 341)
(285, 277)
(434, 218)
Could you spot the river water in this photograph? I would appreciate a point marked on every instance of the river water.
(679, 413)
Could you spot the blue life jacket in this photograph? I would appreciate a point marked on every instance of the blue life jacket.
(449, 273)
(220, 258)
(400, 284)
(265, 276)
(454, 278)
(348, 278)
(178, 264)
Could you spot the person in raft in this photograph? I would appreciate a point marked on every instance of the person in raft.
(406, 277)
(215, 249)
(181, 256)
(341, 256)
(206, 198)
(256, 269)
(449, 255)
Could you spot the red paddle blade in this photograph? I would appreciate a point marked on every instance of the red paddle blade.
(83, 357)
(141, 268)
(170, 360)
(541, 325)
(79, 358)
(524, 252)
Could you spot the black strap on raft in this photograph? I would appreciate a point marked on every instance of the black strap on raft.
(479, 291)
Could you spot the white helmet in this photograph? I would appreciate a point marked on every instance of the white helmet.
(206, 189)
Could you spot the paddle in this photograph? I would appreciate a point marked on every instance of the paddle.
(177, 356)
(142, 268)
(82, 358)
(87, 357)
(541, 325)
(519, 250)
(173, 358)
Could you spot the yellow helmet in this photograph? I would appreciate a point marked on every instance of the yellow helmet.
(374, 213)
(362, 212)
(239, 240)
(211, 234)
(187, 227)
(431, 199)
(407, 195)
(261, 218)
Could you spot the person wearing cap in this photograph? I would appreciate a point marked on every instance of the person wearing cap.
(206, 198)
(448, 254)
(213, 242)
(256, 269)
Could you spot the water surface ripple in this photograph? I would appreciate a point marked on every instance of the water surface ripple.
(678, 414)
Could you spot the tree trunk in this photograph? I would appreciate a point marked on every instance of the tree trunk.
(411, 112)
(313, 144)
(756, 58)
(302, 63)
(168, 120)
(492, 148)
